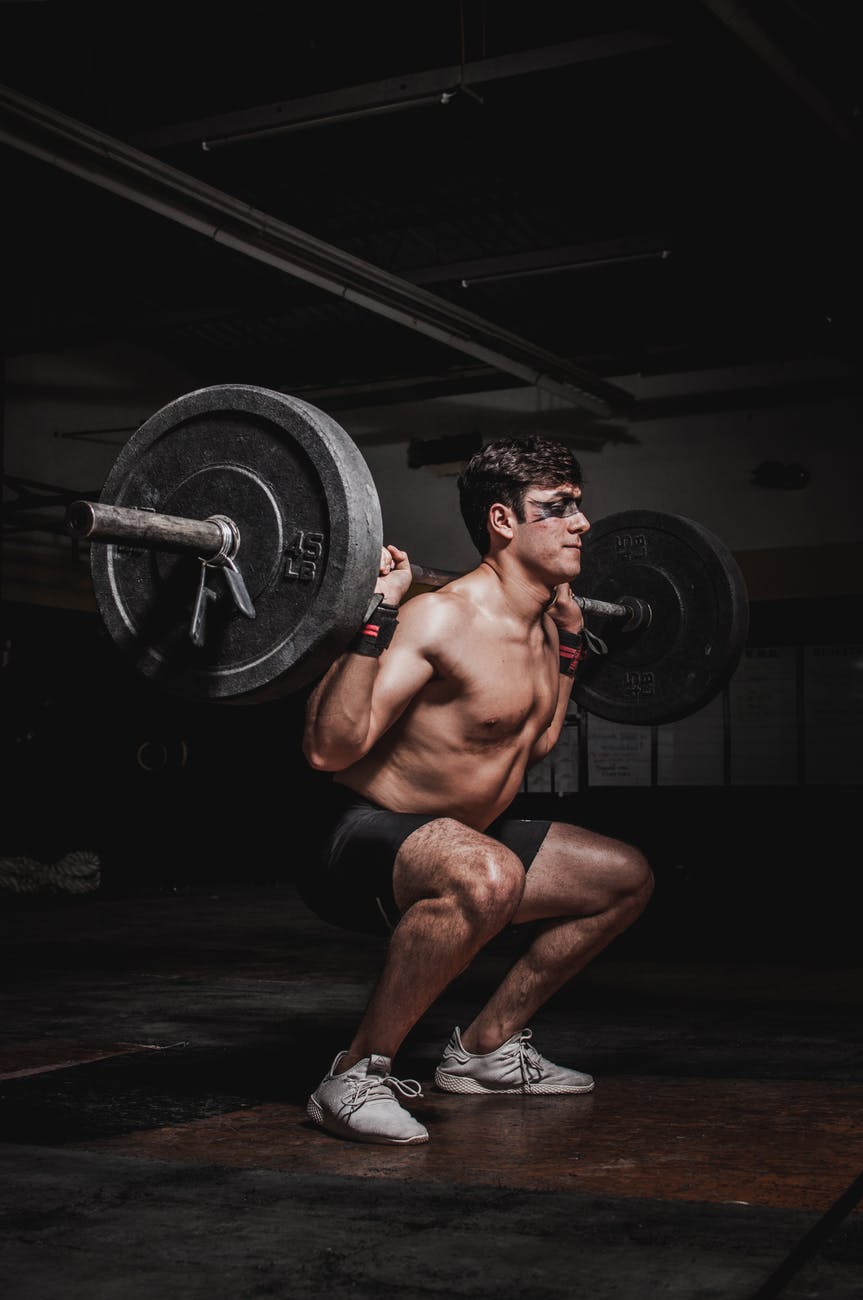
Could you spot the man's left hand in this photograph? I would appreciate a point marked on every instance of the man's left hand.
(565, 609)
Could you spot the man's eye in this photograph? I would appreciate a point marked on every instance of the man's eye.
(558, 509)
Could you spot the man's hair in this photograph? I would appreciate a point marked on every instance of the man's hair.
(502, 471)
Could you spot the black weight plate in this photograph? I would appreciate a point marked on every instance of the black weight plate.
(303, 498)
(699, 617)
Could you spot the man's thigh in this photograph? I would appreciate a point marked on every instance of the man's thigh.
(432, 856)
(347, 880)
(576, 872)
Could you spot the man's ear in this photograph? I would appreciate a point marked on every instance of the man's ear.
(500, 521)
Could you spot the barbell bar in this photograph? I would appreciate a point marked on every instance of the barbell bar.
(250, 518)
(217, 539)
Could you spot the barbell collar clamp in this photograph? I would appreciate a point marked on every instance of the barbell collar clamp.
(230, 541)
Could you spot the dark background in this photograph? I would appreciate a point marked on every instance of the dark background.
(633, 188)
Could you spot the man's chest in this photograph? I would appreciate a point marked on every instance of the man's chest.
(509, 692)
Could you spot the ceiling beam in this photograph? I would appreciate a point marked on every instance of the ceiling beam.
(115, 166)
(391, 94)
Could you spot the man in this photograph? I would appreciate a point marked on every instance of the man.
(429, 722)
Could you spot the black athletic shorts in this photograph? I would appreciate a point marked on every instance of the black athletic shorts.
(347, 877)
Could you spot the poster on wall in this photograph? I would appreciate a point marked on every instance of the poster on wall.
(617, 754)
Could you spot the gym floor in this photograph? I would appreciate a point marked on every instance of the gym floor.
(158, 1050)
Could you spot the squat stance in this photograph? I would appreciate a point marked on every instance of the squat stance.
(429, 722)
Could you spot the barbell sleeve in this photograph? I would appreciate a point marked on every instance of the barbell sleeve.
(94, 522)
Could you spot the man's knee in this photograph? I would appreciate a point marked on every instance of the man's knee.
(460, 869)
(633, 877)
(486, 881)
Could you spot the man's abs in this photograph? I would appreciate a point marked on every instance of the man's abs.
(473, 784)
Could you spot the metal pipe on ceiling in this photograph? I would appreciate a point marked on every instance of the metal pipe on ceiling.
(74, 147)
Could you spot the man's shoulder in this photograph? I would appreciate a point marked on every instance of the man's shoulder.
(446, 610)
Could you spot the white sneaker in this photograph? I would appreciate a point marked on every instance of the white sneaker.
(515, 1066)
(359, 1104)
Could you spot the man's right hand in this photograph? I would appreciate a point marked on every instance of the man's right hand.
(395, 577)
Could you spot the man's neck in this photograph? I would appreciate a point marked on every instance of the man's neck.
(527, 598)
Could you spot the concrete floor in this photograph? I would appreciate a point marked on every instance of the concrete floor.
(157, 1051)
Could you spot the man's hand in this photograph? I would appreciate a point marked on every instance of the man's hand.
(395, 575)
(565, 609)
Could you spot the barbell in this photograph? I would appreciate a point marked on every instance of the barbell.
(237, 542)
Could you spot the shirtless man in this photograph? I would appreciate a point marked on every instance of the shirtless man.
(429, 723)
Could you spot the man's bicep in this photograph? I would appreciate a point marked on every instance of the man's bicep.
(426, 622)
(405, 669)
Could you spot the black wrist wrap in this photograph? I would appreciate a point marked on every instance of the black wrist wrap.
(573, 649)
(375, 636)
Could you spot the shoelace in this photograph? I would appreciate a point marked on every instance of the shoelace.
(531, 1064)
(381, 1088)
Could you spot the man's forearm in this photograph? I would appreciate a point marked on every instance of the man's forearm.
(339, 711)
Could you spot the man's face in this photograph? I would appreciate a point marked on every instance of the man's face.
(554, 524)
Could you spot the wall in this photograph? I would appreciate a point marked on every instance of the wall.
(698, 465)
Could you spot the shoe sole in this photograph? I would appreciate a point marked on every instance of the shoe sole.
(455, 1083)
(317, 1114)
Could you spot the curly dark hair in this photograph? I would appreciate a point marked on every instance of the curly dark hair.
(503, 470)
